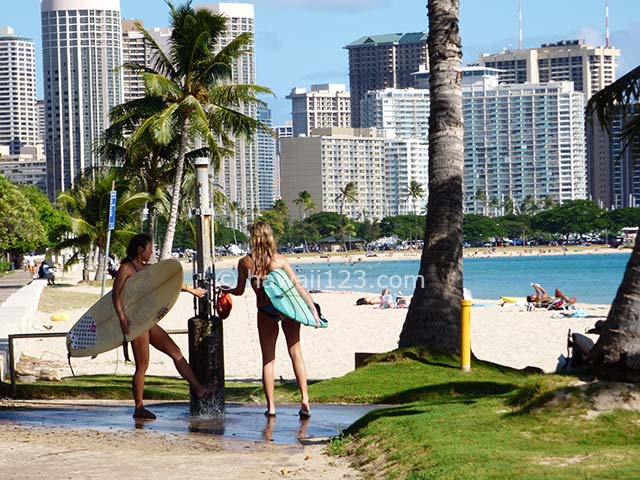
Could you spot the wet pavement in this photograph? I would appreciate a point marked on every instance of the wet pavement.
(241, 422)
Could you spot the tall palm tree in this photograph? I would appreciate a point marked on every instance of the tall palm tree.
(481, 197)
(433, 319)
(346, 194)
(617, 352)
(88, 207)
(190, 97)
(415, 193)
(304, 203)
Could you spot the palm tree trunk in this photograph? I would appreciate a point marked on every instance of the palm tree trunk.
(433, 319)
(617, 352)
(167, 244)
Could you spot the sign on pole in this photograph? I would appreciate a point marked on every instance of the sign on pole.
(112, 209)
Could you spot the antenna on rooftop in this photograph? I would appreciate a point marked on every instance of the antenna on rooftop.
(520, 21)
(606, 14)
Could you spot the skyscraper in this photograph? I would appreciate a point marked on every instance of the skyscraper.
(325, 106)
(18, 111)
(239, 175)
(134, 50)
(82, 50)
(613, 165)
(266, 162)
(589, 68)
(383, 61)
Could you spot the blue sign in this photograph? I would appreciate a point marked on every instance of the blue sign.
(112, 210)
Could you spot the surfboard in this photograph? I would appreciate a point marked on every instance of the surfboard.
(513, 299)
(146, 298)
(285, 298)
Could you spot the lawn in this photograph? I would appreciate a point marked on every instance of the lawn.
(436, 422)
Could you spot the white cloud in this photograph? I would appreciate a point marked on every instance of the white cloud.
(591, 35)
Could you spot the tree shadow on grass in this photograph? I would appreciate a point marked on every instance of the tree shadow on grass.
(460, 391)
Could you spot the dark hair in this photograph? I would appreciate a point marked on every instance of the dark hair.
(141, 240)
(529, 298)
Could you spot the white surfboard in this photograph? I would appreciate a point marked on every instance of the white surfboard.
(146, 298)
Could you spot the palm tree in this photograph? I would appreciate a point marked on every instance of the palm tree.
(304, 203)
(495, 204)
(346, 194)
(189, 95)
(234, 207)
(415, 193)
(433, 319)
(617, 352)
(88, 208)
(481, 197)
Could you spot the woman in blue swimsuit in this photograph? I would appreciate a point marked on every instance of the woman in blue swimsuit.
(255, 267)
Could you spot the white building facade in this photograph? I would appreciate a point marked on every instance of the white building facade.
(238, 175)
(520, 140)
(81, 47)
(325, 162)
(324, 106)
(134, 50)
(18, 108)
(267, 168)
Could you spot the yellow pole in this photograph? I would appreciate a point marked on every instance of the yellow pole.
(465, 335)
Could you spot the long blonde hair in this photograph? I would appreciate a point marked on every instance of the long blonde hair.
(263, 247)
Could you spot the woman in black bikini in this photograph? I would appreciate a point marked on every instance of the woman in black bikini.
(138, 253)
(255, 266)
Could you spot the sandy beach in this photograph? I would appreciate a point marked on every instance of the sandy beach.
(508, 335)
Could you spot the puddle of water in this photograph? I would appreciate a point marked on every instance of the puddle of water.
(243, 422)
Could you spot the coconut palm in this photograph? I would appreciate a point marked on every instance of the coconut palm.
(481, 197)
(617, 352)
(346, 194)
(189, 95)
(88, 207)
(433, 319)
(304, 203)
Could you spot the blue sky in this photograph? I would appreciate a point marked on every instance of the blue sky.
(300, 42)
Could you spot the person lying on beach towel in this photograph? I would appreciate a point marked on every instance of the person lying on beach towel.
(540, 299)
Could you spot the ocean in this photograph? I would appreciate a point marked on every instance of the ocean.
(590, 278)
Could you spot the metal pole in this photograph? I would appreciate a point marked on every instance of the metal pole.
(112, 221)
(465, 335)
(206, 354)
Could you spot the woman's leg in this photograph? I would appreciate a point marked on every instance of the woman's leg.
(292, 334)
(268, 333)
(140, 347)
(163, 342)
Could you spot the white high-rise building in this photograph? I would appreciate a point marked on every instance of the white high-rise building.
(520, 140)
(267, 174)
(325, 106)
(589, 68)
(406, 160)
(18, 110)
(326, 161)
(82, 50)
(134, 50)
(239, 175)
(281, 131)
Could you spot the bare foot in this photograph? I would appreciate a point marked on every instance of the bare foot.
(143, 413)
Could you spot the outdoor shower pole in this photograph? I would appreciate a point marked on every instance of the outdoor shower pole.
(206, 354)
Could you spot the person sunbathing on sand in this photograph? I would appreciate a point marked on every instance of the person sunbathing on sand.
(540, 296)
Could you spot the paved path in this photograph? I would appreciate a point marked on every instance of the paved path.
(13, 282)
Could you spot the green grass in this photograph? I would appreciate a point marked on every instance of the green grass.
(493, 423)
(437, 422)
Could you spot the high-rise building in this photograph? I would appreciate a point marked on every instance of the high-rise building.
(281, 131)
(23, 169)
(383, 61)
(82, 50)
(18, 111)
(267, 178)
(326, 161)
(42, 131)
(520, 140)
(406, 160)
(325, 106)
(134, 50)
(589, 68)
(613, 164)
(239, 175)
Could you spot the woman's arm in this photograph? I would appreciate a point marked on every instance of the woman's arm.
(300, 288)
(243, 273)
(196, 292)
(124, 272)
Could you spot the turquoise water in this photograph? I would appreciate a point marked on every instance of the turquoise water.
(590, 278)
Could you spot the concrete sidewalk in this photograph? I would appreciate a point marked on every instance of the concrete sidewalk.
(12, 282)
